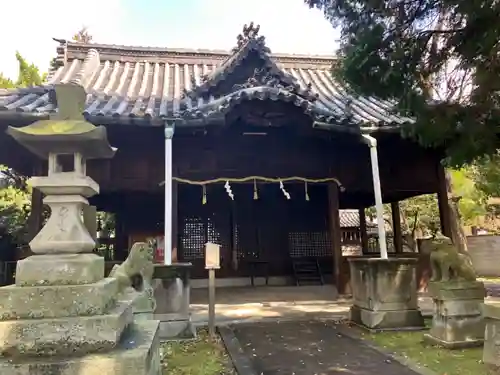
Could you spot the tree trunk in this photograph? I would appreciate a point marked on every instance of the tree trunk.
(457, 231)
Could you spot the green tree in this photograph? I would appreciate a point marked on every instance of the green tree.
(29, 75)
(421, 214)
(6, 83)
(15, 207)
(486, 174)
(472, 200)
(14, 191)
(436, 59)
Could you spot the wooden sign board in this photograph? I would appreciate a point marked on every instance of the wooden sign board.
(212, 256)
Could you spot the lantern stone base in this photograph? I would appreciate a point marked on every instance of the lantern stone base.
(56, 324)
(457, 319)
(60, 269)
(172, 286)
(385, 294)
(138, 353)
(491, 350)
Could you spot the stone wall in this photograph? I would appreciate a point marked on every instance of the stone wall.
(485, 252)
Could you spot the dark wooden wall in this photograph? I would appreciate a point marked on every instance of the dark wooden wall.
(405, 168)
(222, 151)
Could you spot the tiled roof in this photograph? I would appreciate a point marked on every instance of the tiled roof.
(142, 84)
(349, 218)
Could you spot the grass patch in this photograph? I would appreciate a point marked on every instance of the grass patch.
(197, 357)
(493, 280)
(442, 361)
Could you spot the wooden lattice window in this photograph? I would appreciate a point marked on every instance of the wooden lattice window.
(201, 223)
(193, 238)
(309, 244)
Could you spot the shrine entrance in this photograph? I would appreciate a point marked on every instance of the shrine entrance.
(260, 228)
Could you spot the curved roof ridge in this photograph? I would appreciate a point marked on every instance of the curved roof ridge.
(75, 48)
(146, 87)
(88, 69)
(247, 41)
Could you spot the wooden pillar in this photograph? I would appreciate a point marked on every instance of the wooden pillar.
(335, 237)
(396, 227)
(362, 229)
(121, 239)
(175, 225)
(442, 195)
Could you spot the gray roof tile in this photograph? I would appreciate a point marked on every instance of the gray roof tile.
(141, 83)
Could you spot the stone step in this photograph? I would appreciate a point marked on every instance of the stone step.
(137, 353)
(64, 336)
(56, 301)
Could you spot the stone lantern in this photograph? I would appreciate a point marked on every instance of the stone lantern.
(61, 315)
(67, 145)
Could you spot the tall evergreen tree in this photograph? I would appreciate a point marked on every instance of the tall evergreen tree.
(14, 191)
(437, 59)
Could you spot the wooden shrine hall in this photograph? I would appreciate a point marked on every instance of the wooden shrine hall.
(265, 150)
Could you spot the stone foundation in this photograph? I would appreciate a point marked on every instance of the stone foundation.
(385, 293)
(457, 320)
(491, 351)
(137, 353)
(172, 293)
(73, 328)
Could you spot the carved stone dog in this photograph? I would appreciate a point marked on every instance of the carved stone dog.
(447, 263)
(137, 267)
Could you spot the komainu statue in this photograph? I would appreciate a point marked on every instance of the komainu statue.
(137, 270)
(447, 264)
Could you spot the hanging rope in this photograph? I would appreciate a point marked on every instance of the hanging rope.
(229, 191)
(257, 178)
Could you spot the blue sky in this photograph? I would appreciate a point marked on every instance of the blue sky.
(288, 25)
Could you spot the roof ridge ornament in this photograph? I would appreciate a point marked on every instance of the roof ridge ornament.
(250, 32)
(266, 77)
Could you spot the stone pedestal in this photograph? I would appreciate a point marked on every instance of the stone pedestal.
(49, 325)
(457, 320)
(385, 293)
(491, 351)
(143, 303)
(172, 289)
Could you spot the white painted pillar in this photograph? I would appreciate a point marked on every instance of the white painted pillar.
(167, 243)
(372, 143)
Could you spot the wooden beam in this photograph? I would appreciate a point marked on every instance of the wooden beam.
(442, 195)
(175, 220)
(362, 229)
(335, 236)
(396, 227)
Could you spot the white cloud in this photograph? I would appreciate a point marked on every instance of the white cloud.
(288, 25)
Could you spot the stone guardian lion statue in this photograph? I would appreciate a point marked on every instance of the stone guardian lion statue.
(447, 264)
(135, 269)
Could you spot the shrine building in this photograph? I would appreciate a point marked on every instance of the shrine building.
(252, 150)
